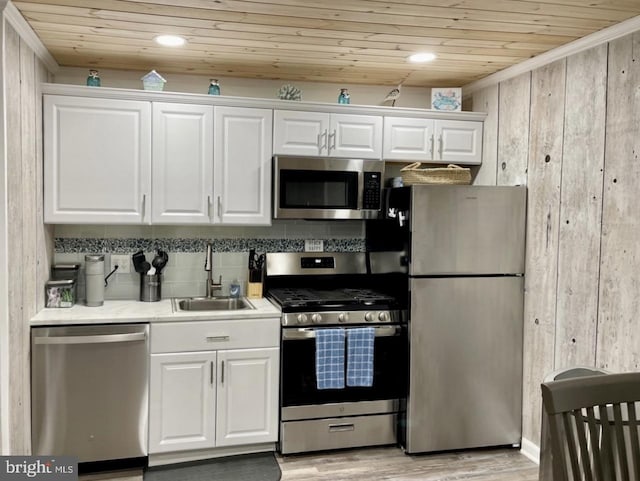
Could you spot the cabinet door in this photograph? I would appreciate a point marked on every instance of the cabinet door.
(247, 396)
(242, 166)
(459, 141)
(182, 401)
(357, 136)
(97, 160)
(182, 163)
(300, 133)
(408, 139)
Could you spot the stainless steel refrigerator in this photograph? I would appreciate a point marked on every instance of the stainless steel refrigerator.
(463, 251)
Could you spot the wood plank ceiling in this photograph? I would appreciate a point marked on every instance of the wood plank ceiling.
(345, 41)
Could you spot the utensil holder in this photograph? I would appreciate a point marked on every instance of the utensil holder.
(150, 288)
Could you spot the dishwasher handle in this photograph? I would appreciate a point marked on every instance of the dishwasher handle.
(99, 339)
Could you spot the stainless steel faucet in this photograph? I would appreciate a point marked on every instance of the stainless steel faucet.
(208, 266)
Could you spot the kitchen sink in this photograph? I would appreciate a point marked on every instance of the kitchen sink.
(211, 304)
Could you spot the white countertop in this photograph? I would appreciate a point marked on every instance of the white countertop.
(119, 312)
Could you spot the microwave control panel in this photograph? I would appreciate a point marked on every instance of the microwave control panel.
(371, 190)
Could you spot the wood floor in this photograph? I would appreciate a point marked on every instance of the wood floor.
(390, 463)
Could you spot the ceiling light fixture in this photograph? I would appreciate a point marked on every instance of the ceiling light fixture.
(170, 40)
(422, 57)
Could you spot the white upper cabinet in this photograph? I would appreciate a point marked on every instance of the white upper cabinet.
(333, 135)
(182, 163)
(358, 136)
(300, 133)
(459, 141)
(408, 139)
(427, 140)
(97, 160)
(242, 166)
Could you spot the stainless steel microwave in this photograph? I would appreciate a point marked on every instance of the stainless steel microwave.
(326, 188)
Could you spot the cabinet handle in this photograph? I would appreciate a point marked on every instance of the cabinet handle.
(332, 145)
(209, 207)
(219, 206)
(144, 206)
(211, 374)
(432, 150)
(217, 338)
(440, 146)
(222, 374)
(324, 135)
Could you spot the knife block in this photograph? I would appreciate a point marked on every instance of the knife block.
(254, 290)
(254, 286)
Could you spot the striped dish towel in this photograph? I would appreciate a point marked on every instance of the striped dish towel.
(330, 358)
(360, 356)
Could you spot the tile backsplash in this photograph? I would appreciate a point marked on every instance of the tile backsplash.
(184, 274)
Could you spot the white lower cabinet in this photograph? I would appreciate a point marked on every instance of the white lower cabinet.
(207, 399)
(182, 401)
(247, 398)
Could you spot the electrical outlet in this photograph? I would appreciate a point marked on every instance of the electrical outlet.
(123, 262)
(313, 245)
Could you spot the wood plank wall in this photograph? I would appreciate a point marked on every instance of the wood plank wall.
(569, 130)
(30, 242)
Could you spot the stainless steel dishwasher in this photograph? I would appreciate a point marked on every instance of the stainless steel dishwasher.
(89, 389)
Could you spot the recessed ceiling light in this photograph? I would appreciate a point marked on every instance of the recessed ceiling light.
(170, 40)
(422, 57)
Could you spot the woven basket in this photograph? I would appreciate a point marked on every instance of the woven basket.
(451, 174)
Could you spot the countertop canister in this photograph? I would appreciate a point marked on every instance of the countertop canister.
(94, 279)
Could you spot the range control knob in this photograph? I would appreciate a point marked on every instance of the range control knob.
(343, 317)
(301, 318)
(383, 316)
(316, 318)
(370, 316)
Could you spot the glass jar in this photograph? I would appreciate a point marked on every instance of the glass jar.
(214, 87)
(93, 80)
(344, 97)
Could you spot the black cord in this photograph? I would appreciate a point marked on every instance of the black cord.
(106, 279)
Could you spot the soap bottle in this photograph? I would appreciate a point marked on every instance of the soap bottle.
(234, 289)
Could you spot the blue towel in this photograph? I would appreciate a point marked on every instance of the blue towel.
(360, 356)
(330, 358)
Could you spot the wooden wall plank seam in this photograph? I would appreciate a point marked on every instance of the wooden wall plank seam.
(618, 334)
(15, 247)
(513, 130)
(543, 213)
(581, 208)
(29, 208)
(486, 100)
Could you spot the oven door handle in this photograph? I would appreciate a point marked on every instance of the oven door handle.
(310, 333)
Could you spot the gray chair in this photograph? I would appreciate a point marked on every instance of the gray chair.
(593, 424)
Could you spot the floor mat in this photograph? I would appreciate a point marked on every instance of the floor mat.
(246, 467)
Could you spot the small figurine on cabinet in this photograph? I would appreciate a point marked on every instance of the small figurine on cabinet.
(153, 81)
(214, 87)
(344, 97)
(93, 80)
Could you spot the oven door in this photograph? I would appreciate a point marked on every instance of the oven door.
(298, 369)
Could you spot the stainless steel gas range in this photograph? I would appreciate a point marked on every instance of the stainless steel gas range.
(318, 292)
